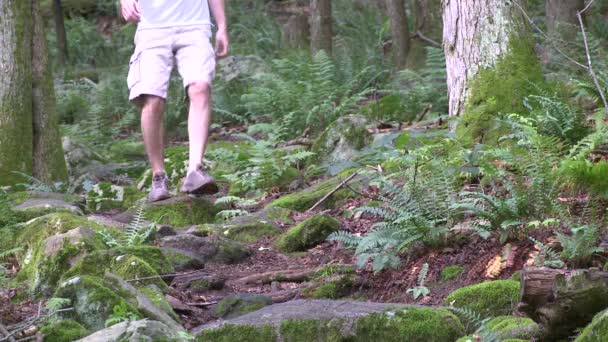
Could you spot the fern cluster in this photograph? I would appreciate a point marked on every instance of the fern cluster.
(580, 245)
(138, 231)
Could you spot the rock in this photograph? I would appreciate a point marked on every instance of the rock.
(32, 204)
(324, 320)
(334, 288)
(64, 331)
(164, 231)
(77, 155)
(241, 304)
(119, 173)
(489, 299)
(152, 305)
(182, 212)
(128, 151)
(307, 234)
(92, 303)
(215, 249)
(52, 244)
(107, 221)
(597, 330)
(509, 328)
(182, 261)
(135, 331)
(127, 262)
(451, 272)
(199, 282)
(238, 67)
(342, 140)
(306, 198)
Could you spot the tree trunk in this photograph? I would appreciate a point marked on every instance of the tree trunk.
(561, 301)
(62, 40)
(48, 159)
(321, 26)
(296, 31)
(16, 135)
(491, 62)
(427, 31)
(561, 17)
(27, 103)
(400, 31)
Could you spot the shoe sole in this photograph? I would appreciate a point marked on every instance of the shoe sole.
(205, 189)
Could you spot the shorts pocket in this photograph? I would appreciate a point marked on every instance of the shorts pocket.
(134, 76)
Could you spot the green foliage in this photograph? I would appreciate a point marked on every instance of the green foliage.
(137, 232)
(580, 245)
(4, 272)
(584, 175)
(547, 256)
(237, 204)
(494, 298)
(121, 313)
(554, 117)
(7, 216)
(35, 184)
(477, 322)
(421, 290)
(451, 272)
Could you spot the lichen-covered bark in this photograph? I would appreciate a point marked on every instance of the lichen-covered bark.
(321, 32)
(399, 30)
(48, 159)
(476, 34)
(15, 90)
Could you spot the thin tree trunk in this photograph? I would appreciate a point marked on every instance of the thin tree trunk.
(400, 31)
(49, 162)
(321, 32)
(15, 90)
(428, 26)
(62, 40)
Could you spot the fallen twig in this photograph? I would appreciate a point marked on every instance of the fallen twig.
(282, 275)
(6, 333)
(172, 275)
(420, 35)
(344, 182)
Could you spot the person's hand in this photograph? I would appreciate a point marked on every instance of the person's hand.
(221, 44)
(130, 10)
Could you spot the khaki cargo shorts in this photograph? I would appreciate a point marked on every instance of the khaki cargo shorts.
(157, 50)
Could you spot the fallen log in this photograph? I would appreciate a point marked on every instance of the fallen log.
(562, 300)
(296, 276)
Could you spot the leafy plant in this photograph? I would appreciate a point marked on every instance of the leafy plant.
(554, 117)
(238, 207)
(4, 272)
(483, 332)
(421, 289)
(121, 313)
(35, 184)
(580, 245)
(7, 216)
(137, 231)
(546, 256)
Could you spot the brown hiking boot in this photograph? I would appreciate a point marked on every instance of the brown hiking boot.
(199, 182)
(160, 188)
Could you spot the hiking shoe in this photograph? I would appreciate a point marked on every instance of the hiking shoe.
(199, 182)
(160, 188)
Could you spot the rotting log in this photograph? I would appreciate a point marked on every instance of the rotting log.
(562, 300)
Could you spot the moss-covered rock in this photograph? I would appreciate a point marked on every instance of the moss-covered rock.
(341, 140)
(451, 272)
(597, 330)
(182, 261)
(64, 331)
(489, 299)
(307, 234)
(241, 304)
(249, 229)
(182, 212)
(206, 249)
(510, 327)
(335, 288)
(231, 332)
(52, 244)
(33, 207)
(305, 199)
(127, 150)
(136, 331)
(92, 303)
(159, 300)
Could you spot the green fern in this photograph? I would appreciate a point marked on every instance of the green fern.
(137, 232)
(580, 245)
(547, 256)
(478, 322)
(421, 289)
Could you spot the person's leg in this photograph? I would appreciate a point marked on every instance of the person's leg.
(199, 120)
(153, 131)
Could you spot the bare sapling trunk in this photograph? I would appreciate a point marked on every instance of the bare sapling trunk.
(321, 32)
(400, 31)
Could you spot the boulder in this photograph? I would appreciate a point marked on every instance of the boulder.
(64, 331)
(342, 140)
(199, 282)
(52, 244)
(597, 330)
(77, 155)
(32, 204)
(206, 249)
(183, 260)
(307, 234)
(241, 304)
(238, 67)
(324, 320)
(489, 299)
(135, 331)
(182, 212)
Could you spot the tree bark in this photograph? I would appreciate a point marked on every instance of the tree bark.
(48, 158)
(427, 26)
(296, 31)
(561, 17)
(400, 31)
(321, 32)
(560, 300)
(62, 40)
(475, 35)
(29, 134)
(16, 136)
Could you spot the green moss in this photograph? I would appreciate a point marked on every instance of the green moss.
(305, 199)
(154, 256)
(500, 89)
(333, 289)
(92, 302)
(451, 272)
(307, 234)
(64, 331)
(132, 267)
(230, 252)
(160, 301)
(514, 327)
(311, 330)
(239, 305)
(331, 270)
(249, 229)
(597, 330)
(127, 150)
(245, 333)
(183, 212)
(488, 299)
